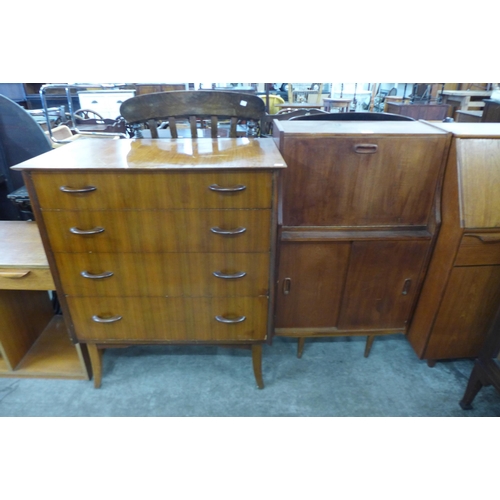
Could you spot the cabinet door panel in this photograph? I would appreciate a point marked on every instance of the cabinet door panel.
(363, 181)
(316, 274)
(466, 311)
(377, 293)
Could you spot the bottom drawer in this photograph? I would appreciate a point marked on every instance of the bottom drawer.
(169, 319)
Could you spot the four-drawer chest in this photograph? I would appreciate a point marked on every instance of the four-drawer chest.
(161, 241)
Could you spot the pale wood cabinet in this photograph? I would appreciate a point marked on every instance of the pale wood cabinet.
(34, 341)
(361, 205)
(161, 241)
(462, 290)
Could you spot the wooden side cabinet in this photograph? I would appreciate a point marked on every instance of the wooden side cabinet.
(462, 290)
(161, 241)
(360, 218)
(34, 343)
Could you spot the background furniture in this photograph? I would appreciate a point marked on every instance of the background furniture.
(343, 105)
(419, 111)
(198, 114)
(462, 289)
(161, 241)
(34, 342)
(360, 217)
(468, 116)
(464, 100)
(486, 369)
(105, 102)
(491, 111)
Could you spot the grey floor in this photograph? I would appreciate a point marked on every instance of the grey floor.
(332, 379)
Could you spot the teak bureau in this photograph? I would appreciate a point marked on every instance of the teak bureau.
(161, 241)
(361, 212)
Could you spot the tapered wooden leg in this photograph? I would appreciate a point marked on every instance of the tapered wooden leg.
(96, 363)
(300, 346)
(257, 364)
(473, 387)
(431, 363)
(368, 345)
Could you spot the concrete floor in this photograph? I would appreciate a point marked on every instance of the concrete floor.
(332, 379)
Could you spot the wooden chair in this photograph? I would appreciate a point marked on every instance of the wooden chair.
(202, 110)
(486, 369)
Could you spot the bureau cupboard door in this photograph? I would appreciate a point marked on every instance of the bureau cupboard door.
(467, 309)
(382, 281)
(311, 279)
(364, 181)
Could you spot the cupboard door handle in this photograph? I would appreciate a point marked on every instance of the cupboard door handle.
(14, 274)
(228, 321)
(220, 274)
(485, 237)
(113, 319)
(220, 189)
(86, 189)
(287, 283)
(106, 274)
(228, 232)
(365, 148)
(406, 287)
(96, 230)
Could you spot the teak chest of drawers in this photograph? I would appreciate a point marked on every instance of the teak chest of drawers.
(161, 241)
(361, 205)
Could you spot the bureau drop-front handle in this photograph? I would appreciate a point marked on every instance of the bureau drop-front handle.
(86, 189)
(228, 232)
(220, 189)
(287, 283)
(222, 319)
(14, 274)
(95, 230)
(486, 237)
(220, 274)
(113, 319)
(106, 274)
(365, 148)
(406, 287)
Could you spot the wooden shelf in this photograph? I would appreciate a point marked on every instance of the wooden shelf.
(51, 356)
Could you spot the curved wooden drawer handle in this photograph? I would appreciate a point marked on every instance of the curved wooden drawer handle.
(220, 189)
(113, 319)
(220, 274)
(485, 237)
(228, 232)
(365, 148)
(222, 319)
(86, 189)
(14, 274)
(106, 274)
(95, 230)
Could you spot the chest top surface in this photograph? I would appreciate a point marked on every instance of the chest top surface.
(160, 154)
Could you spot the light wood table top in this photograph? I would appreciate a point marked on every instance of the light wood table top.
(21, 245)
(299, 105)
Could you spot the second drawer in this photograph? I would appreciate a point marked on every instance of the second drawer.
(479, 249)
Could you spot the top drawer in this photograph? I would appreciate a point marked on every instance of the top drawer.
(152, 190)
(479, 249)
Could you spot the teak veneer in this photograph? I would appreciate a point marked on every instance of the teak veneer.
(360, 217)
(462, 290)
(161, 241)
